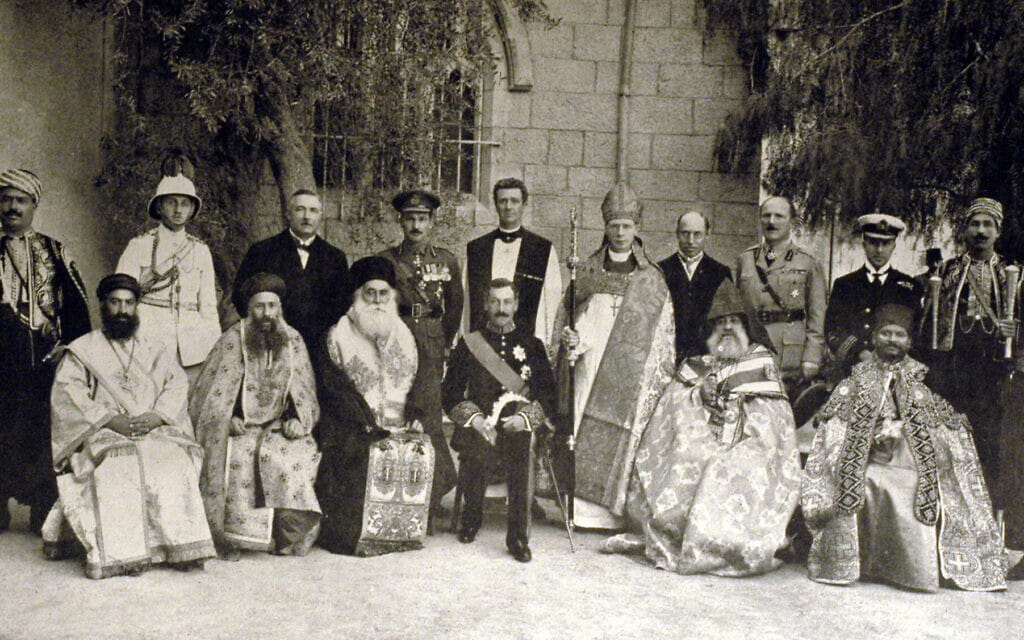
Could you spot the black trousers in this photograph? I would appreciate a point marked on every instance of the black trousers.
(479, 460)
(972, 377)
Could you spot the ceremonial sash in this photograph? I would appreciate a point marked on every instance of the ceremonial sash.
(494, 364)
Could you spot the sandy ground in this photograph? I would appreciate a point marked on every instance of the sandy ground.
(449, 590)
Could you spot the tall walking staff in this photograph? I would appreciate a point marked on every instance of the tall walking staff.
(570, 443)
(934, 287)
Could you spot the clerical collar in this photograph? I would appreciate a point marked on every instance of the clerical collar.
(619, 256)
(299, 242)
(510, 235)
(505, 329)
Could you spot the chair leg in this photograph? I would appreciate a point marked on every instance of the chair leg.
(456, 509)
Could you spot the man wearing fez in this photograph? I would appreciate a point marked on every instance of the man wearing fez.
(693, 278)
(314, 271)
(175, 270)
(123, 447)
(856, 295)
(375, 477)
(429, 288)
(891, 458)
(254, 408)
(785, 287)
(498, 390)
(42, 308)
(968, 367)
(717, 473)
(621, 351)
(511, 252)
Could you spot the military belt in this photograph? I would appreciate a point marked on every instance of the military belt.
(771, 317)
(417, 311)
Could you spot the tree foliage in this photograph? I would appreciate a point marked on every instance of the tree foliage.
(244, 84)
(911, 107)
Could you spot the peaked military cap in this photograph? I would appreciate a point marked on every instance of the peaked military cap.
(880, 225)
(415, 201)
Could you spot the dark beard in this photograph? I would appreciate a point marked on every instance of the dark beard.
(265, 335)
(119, 326)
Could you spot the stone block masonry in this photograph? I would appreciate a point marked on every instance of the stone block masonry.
(560, 136)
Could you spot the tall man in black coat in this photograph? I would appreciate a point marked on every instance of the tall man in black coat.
(693, 278)
(499, 387)
(513, 253)
(315, 272)
(857, 295)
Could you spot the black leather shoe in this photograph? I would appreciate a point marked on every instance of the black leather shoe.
(520, 551)
(467, 535)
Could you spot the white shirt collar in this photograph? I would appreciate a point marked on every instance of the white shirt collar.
(302, 243)
(884, 271)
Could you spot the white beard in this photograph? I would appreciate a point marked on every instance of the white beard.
(727, 345)
(375, 321)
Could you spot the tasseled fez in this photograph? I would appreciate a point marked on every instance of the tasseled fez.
(117, 281)
(372, 268)
(259, 283)
(891, 313)
(987, 206)
(22, 180)
(622, 203)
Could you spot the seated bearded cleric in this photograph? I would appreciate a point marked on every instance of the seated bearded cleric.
(254, 406)
(893, 489)
(717, 474)
(378, 466)
(127, 464)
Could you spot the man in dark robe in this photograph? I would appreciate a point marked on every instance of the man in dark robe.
(499, 389)
(377, 466)
(42, 309)
(314, 271)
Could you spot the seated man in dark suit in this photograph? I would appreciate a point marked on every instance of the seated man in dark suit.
(315, 272)
(692, 278)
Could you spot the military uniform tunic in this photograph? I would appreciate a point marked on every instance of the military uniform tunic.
(430, 302)
(789, 302)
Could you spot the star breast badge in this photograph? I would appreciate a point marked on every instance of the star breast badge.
(519, 353)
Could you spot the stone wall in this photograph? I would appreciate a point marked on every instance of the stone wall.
(53, 104)
(560, 136)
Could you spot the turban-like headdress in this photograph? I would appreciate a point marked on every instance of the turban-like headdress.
(987, 206)
(116, 281)
(23, 180)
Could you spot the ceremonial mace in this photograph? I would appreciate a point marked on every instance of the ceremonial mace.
(934, 285)
(1010, 297)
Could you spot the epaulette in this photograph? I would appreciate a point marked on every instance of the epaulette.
(752, 247)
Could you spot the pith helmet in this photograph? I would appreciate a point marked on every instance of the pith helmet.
(177, 185)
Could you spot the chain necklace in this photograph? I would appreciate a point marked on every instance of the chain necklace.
(123, 380)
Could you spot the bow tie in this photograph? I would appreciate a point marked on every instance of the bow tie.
(302, 247)
(510, 236)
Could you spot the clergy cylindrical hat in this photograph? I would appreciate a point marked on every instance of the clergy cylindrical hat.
(259, 283)
(116, 281)
(372, 268)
